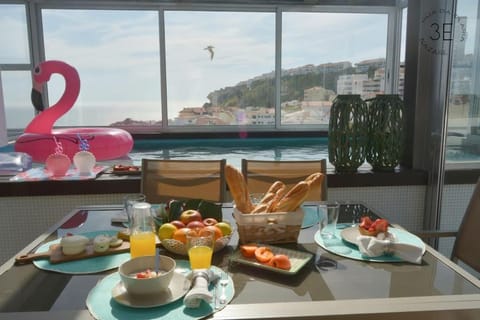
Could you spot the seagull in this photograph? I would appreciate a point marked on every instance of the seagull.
(210, 49)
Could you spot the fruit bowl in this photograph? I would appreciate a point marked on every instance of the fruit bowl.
(180, 248)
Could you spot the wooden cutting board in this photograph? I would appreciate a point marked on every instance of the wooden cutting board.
(55, 254)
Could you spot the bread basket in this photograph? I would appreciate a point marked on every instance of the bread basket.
(275, 227)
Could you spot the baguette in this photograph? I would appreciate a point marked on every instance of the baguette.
(260, 208)
(278, 195)
(315, 182)
(277, 185)
(238, 189)
(293, 198)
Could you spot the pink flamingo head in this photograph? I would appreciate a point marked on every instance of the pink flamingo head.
(43, 123)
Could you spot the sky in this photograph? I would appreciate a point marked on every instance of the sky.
(117, 54)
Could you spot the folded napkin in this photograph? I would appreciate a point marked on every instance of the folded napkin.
(199, 290)
(374, 247)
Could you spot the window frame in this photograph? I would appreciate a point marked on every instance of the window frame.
(392, 63)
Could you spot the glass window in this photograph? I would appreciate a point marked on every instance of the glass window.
(463, 133)
(220, 67)
(19, 111)
(116, 53)
(325, 54)
(13, 34)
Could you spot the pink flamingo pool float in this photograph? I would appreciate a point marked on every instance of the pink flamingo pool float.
(38, 138)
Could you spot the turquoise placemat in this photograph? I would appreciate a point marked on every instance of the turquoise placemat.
(84, 266)
(348, 250)
(310, 217)
(102, 306)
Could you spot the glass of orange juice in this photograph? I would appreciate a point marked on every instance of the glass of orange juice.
(142, 231)
(200, 245)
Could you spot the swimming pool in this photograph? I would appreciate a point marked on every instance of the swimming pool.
(233, 150)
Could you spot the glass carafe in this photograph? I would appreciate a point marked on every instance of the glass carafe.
(142, 231)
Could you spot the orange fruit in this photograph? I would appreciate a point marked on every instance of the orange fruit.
(263, 254)
(216, 231)
(248, 250)
(181, 234)
(281, 261)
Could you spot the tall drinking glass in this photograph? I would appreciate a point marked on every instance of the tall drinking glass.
(200, 248)
(142, 231)
(328, 217)
(129, 201)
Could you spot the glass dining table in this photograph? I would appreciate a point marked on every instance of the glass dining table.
(327, 286)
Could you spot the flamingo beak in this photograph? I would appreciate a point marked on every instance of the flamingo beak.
(37, 100)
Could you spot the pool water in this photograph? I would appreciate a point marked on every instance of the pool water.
(233, 150)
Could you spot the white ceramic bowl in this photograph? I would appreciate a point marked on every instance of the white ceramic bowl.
(146, 286)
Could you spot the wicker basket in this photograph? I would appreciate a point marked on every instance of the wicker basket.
(178, 247)
(278, 227)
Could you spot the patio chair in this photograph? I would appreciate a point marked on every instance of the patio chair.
(260, 174)
(163, 180)
(467, 237)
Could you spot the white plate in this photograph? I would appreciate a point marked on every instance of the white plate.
(397, 235)
(297, 259)
(351, 234)
(179, 286)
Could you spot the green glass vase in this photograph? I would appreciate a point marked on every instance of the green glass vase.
(385, 132)
(347, 134)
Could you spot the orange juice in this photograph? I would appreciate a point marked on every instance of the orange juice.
(142, 244)
(200, 257)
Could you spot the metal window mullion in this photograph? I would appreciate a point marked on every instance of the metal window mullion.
(393, 52)
(36, 40)
(163, 70)
(278, 67)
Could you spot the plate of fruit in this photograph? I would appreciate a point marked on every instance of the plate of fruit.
(374, 228)
(272, 258)
(181, 217)
(120, 169)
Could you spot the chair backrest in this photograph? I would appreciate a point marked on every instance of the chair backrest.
(466, 247)
(163, 180)
(260, 174)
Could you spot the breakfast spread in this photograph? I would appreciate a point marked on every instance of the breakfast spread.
(367, 227)
(277, 198)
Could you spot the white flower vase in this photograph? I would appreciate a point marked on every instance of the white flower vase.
(84, 161)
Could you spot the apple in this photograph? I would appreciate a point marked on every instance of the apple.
(179, 224)
(166, 231)
(225, 227)
(195, 225)
(209, 221)
(190, 215)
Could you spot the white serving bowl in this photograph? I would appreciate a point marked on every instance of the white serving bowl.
(147, 286)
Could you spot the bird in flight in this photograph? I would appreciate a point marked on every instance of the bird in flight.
(210, 49)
